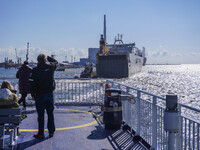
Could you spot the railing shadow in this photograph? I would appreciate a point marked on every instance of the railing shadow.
(27, 144)
(23, 145)
(119, 139)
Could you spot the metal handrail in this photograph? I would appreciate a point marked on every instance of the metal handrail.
(145, 116)
(188, 135)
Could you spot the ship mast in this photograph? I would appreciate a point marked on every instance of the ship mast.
(104, 28)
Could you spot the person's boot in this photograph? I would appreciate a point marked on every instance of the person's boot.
(51, 135)
(39, 136)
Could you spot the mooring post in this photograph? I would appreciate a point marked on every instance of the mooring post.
(171, 121)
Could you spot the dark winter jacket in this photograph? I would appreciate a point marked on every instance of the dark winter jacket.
(24, 74)
(42, 79)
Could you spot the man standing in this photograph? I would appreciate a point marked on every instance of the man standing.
(42, 87)
(24, 86)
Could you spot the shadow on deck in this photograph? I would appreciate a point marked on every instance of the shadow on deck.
(76, 129)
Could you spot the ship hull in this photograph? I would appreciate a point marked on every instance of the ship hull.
(118, 66)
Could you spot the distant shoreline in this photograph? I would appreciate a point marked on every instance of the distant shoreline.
(172, 64)
(163, 64)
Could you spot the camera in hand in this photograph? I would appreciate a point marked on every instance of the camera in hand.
(50, 59)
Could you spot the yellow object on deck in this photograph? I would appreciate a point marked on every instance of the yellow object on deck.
(106, 49)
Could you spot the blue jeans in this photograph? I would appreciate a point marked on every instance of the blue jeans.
(42, 102)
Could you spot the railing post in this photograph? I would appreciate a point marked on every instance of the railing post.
(118, 86)
(154, 124)
(179, 135)
(112, 84)
(107, 81)
(171, 121)
(127, 89)
(128, 111)
(138, 112)
(79, 96)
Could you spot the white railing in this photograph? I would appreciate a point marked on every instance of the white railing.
(145, 117)
(190, 127)
(70, 91)
(79, 92)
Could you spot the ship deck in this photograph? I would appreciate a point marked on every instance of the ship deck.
(76, 129)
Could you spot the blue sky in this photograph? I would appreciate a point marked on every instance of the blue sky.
(168, 29)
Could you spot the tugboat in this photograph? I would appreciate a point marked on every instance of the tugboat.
(88, 72)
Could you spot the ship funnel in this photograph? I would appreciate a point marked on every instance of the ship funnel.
(104, 28)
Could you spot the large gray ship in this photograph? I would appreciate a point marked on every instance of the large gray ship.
(118, 60)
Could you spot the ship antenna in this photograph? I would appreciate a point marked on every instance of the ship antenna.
(118, 39)
(104, 29)
(121, 35)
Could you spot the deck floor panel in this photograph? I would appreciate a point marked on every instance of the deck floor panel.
(88, 137)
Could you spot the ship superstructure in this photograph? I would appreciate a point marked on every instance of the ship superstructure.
(118, 60)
